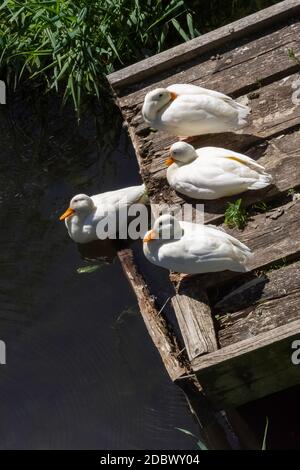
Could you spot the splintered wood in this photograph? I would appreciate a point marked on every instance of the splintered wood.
(237, 329)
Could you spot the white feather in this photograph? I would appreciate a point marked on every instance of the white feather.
(195, 111)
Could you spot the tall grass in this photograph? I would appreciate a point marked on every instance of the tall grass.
(70, 45)
(211, 14)
(73, 44)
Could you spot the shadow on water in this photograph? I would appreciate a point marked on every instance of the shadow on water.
(81, 370)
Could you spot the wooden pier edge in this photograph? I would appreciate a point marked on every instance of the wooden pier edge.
(227, 379)
(195, 321)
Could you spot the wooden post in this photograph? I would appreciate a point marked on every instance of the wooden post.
(195, 320)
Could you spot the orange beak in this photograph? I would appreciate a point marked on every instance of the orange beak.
(169, 161)
(173, 95)
(151, 235)
(66, 214)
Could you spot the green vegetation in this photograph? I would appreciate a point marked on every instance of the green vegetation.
(89, 269)
(236, 215)
(264, 443)
(292, 56)
(69, 46)
(199, 444)
(215, 13)
(281, 263)
(202, 446)
(260, 207)
(75, 43)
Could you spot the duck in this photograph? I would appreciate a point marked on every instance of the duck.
(190, 248)
(90, 218)
(187, 110)
(213, 172)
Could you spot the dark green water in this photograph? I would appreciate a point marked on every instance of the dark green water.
(81, 370)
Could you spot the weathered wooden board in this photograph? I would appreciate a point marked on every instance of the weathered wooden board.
(195, 321)
(207, 42)
(251, 368)
(259, 305)
(271, 236)
(238, 68)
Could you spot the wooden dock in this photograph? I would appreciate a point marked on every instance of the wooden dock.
(236, 329)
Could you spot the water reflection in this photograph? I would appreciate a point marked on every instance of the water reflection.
(81, 370)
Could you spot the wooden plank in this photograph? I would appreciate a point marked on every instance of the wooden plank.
(251, 368)
(271, 236)
(259, 305)
(243, 67)
(274, 284)
(205, 43)
(195, 321)
(248, 345)
(156, 325)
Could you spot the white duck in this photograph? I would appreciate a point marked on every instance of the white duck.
(212, 172)
(189, 110)
(190, 248)
(84, 215)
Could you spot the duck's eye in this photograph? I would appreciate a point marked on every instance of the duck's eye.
(160, 95)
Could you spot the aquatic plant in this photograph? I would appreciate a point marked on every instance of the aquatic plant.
(199, 443)
(264, 443)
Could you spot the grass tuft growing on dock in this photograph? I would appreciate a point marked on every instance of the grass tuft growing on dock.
(236, 215)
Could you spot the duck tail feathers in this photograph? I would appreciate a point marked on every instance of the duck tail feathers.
(264, 180)
(244, 256)
(243, 112)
